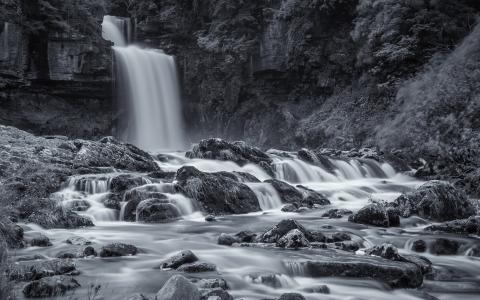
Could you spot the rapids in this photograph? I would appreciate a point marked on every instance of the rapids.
(348, 185)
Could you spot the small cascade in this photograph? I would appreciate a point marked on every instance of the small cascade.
(164, 192)
(267, 196)
(86, 195)
(147, 78)
(296, 268)
(273, 280)
(295, 170)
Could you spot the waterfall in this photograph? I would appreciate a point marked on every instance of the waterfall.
(148, 81)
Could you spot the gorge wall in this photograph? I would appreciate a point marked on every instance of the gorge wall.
(276, 73)
(55, 69)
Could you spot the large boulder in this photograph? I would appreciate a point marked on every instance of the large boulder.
(50, 287)
(108, 152)
(215, 193)
(436, 201)
(376, 214)
(179, 288)
(156, 211)
(238, 152)
(59, 217)
(331, 264)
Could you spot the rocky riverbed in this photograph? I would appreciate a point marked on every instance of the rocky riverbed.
(104, 220)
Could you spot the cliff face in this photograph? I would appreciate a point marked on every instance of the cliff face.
(290, 73)
(276, 73)
(55, 69)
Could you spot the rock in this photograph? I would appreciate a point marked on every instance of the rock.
(39, 240)
(218, 293)
(59, 218)
(183, 257)
(238, 152)
(444, 246)
(156, 211)
(136, 196)
(50, 287)
(108, 152)
(89, 251)
(436, 201)
(30, 257)
(338, 237)
(351, 246)
(289, 207)
(271, 280)
(136, 297)
(78, 241)
(215, 193)
(282, 228)
(132, 186)
(307, 156)
(419, 246)
(11, 233)
(422, 262)
(118, 249)
(320, 289)
(373, 214)
(179, 288)
(291, 296)
(327, 264)
(246, 236)
(387, 251)
(210, 218)
(212, 283)
(197, 267)
(312, 198)
(464, 226)
(34, 270)
(288, 193)
(294, 239)
(227, 239)
(66, 255)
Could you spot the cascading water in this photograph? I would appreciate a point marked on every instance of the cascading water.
(147, 78)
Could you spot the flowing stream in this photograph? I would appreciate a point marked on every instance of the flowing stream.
(148, 79)
(348, 185)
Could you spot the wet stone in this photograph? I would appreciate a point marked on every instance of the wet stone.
(291, 296)
(444, 247)
(227, 239)
(118, 249)
(50, 287)
(179, 288)
(175, 261)
(197, 267)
